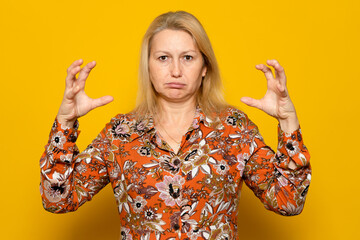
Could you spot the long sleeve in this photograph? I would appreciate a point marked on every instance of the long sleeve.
(280, 188)
(69, 179)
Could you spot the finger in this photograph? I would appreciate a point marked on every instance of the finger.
(280, 76)
(70, 93)
(266, 70)
(75, 64)
(251, 102)
(282, 90)
(84, 73)
(75, 90)
(71, 77)
(279, 70)
(72, 71)
(101, 101)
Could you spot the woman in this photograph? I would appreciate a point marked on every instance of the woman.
(177, 162)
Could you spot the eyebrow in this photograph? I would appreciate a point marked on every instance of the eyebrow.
(164, 51)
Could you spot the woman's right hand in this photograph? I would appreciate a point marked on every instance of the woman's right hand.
(75, 102)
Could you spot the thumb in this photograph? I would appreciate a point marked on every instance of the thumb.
(251, 102)
(101, 101)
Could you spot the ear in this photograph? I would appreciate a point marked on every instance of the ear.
(204, 70)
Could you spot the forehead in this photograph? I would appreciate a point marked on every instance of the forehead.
(173, 40)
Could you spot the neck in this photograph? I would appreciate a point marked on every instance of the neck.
(170, 113)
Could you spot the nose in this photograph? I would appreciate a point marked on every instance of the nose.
(176, 69)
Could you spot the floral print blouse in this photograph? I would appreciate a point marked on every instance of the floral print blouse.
(192, 194)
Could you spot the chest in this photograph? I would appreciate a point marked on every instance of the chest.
(206, 162)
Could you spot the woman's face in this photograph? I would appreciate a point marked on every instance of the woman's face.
(176, 65)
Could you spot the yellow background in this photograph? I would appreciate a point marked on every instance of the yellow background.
(316, 41)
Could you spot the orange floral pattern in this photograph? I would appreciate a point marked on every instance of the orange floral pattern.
(193, 194)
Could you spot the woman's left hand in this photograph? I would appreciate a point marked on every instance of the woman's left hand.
(276, 101)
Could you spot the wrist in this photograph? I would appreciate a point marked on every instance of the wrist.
(289, 124)
(66, 123)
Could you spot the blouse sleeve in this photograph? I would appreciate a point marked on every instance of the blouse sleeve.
(69, 179)
(280, 188)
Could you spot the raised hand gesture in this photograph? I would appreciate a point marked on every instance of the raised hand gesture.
(276, 101)
(75, 102)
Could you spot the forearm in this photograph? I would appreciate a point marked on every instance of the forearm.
(280, 180)
(69, 179)
(282, 191)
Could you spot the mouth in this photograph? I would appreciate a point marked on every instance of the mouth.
(176, 85)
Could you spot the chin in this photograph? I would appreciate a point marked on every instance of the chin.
(175, 98)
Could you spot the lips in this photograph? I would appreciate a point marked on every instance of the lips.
(176, 85)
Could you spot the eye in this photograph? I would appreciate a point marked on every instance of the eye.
(163, 58)
(188, 57)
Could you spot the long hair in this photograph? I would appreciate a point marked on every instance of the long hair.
(210, 96)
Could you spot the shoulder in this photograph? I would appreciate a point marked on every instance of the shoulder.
(238, 124)
(233, 117)
(126, 127)
(123, 117)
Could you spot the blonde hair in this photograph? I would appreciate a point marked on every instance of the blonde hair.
(210, 96)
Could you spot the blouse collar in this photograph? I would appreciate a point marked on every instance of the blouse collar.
(146, 125)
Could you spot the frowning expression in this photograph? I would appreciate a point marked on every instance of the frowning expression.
(176, 65)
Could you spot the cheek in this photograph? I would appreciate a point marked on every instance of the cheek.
(152, 72)
(196, 75)
(157, 74)
(154, 77)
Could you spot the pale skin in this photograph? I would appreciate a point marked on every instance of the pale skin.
(76, 103)
(176, 70)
